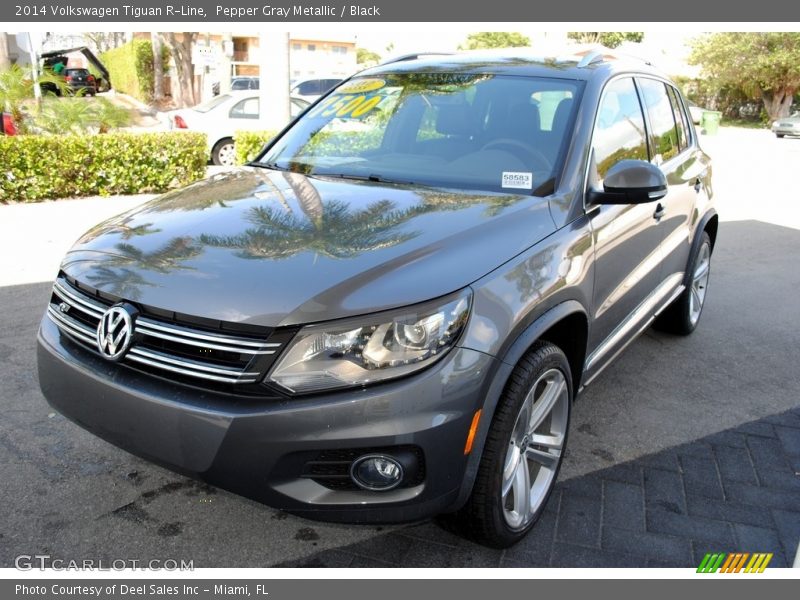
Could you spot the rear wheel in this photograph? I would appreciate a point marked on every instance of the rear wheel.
(682, 316)
(780, 135)
(224, 153)
(523, 451)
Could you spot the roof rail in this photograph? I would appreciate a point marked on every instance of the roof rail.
(591, 58)
(414, 56)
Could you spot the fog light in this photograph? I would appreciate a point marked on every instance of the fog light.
(376, 472)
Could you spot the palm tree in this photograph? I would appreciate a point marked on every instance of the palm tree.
(17, 88)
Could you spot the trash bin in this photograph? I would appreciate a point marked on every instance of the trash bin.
(710, 121)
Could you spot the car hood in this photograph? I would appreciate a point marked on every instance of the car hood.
(275, 248)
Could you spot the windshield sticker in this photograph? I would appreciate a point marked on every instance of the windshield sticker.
(342, 107)
(517, 180)
(359, 86)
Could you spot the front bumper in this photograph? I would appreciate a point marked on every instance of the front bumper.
(786, 130)
(250, 446)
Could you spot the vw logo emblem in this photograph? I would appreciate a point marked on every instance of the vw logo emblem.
(115, 332)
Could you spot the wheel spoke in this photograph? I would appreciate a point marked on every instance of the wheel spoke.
(701, 271)
(546, 459)
(522, 489)
(696, 302)
(547, 441)
(509, 471)
(545, 403)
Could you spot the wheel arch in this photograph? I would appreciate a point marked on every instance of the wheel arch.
(557, 326)
(709, 223)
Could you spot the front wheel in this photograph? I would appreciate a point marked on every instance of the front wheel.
(523, 451)
(224, 153)
(682, 316)
(780, 135)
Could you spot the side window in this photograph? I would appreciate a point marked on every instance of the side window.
(619, 132)
(245, 109)
(684, 135)
(662, 120)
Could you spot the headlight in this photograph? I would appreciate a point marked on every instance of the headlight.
(355, 352)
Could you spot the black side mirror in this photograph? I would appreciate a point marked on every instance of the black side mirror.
(631, 182)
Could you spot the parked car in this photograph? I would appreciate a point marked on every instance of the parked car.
(313, 89)
(237, 84)
(244, 83)
(391, 322)
(7, 125)
(222, 116)
(787, 126)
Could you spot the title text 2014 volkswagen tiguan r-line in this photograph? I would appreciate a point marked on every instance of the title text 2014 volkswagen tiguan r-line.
(388, 314)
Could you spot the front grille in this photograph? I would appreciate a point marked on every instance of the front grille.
(167, 347)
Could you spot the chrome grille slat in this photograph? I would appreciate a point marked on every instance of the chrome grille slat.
(71, 326)
(211, 337)
(92, 308)
(166, 367)
(182, 343)
(189, 364)
(145, 330)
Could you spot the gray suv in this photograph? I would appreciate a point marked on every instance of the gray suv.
(388, 315)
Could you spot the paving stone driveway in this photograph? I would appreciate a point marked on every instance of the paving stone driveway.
(737, 490)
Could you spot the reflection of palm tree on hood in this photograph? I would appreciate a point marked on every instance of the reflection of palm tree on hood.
(120, 274)
(165, 259)
(122, 282)
(332, 229)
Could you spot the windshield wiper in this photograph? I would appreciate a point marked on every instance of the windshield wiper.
(372, 177)
(268, 165)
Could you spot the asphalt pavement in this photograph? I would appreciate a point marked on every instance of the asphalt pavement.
(683, 446)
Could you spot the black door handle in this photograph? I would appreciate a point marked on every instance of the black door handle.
(660, 212)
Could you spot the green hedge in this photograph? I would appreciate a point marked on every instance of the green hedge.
(250, 143)
(39, 167)
(131, 68)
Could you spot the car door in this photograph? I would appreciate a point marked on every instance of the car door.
(684, 165)
(627, 237)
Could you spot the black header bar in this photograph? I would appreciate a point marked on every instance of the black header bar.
(494, 11)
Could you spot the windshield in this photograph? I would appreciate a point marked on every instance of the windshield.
(470, 131)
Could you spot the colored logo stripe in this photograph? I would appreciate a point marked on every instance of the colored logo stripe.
(734, 562)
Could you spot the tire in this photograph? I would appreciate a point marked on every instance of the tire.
(223, 153)
(682, 316)
(780, 135)
(490, 517)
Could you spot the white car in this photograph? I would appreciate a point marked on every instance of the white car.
(224, 115)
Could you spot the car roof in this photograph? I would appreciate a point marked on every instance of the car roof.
(581, 65)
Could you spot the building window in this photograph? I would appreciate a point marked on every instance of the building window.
(339, 49)
(312, 47)
(297, 46)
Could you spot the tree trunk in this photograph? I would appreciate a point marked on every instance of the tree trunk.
(5, 61)
(182, 55)
(158, 66)
(778, 103)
